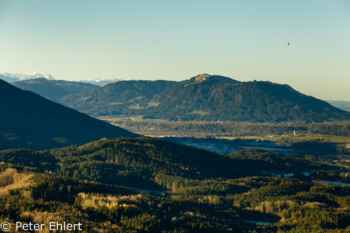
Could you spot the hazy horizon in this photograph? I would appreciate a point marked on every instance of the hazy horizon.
(243, 40)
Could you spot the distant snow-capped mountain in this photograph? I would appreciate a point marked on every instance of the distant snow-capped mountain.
(100, 82)
(11, 78)
(20, 77)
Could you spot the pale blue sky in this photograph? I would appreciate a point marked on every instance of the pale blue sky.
(175, 40)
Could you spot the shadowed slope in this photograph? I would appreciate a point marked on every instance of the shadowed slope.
(31, 121)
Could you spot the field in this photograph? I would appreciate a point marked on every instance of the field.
(336, 132)
(292, 139)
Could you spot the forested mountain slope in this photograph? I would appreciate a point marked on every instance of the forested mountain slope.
(28, 120)
(204, 97)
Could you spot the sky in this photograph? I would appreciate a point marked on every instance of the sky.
(176, 40)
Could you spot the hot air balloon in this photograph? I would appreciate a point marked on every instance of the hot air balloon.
(287, 43)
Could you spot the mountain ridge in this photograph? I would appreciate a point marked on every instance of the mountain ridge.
(205, 97)
(53, 89)
(341, 104)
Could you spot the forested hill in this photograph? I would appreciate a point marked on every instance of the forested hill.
(28, 120)
(53, 89)
(134, 162)
(205, 97)
(179, 189)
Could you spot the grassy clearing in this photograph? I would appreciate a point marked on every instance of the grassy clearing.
(109, 201)
(10, 179)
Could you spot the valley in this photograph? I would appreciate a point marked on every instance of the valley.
(136, 174)
(154, 116)
(231, 129)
